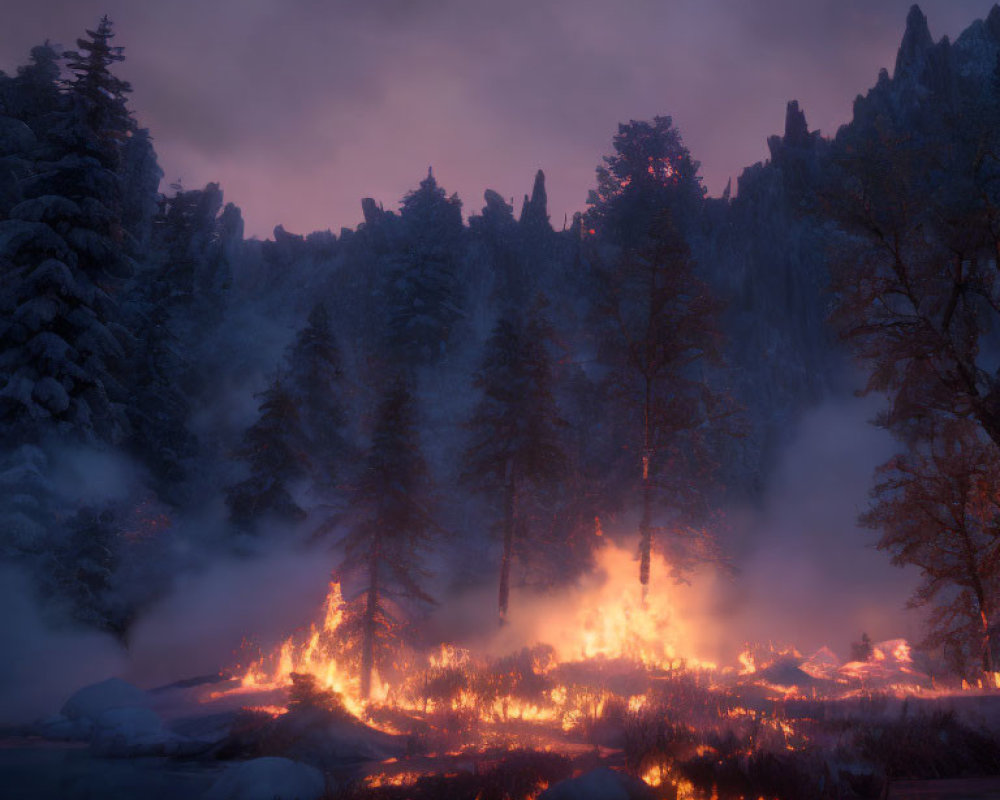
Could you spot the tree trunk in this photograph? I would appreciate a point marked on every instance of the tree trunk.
(988, 663)
(645, 524)
(370, 621)
(509, 514)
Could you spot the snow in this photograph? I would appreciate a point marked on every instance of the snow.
(46, 208)
(268, 779)
(599, 784)
(51, 394)
(55, 274)
(92, 701)
(126, 732)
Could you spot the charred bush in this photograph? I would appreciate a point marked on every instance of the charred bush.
(925, 746)
(306, 693)
(517, 775)
(736, 773)
(521, 676)
(654, 738)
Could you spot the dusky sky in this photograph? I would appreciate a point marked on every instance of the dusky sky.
(299, 108)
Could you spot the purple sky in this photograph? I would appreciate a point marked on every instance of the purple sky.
(301, 107)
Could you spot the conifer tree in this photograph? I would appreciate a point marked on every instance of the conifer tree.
(102, 93)
(650, 172)
(383, 549)
(515, 446)
(81, 569)
(61, 341)
(315, 377)
(423, 293)
(658, 331)
(272, 449)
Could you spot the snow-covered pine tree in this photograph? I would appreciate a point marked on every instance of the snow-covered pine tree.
(515, 446)
(382, 551)
(61, 247)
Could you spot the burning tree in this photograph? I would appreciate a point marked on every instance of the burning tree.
(657, 321)
(382, 549)
(659, 328)
(938, 508)
(515, 446)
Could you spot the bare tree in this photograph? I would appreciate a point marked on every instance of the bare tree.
(938, 508)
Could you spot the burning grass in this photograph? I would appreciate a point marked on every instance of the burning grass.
(455, 723)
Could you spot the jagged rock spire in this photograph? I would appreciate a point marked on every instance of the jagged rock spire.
(370, 210)
(993, 22)
(534, 212)
(796, 129)
(917, 42)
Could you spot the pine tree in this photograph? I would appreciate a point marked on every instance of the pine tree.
(515, 446)
(315, 378)
(33, 95)
(101, 92)
(659, 329)
(382, 551)
(271, 447)
(61, 341)
(650, 172)
(81, 567)
(424, 294)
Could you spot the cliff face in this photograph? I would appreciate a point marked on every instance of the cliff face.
(765, 254)
(769, 249)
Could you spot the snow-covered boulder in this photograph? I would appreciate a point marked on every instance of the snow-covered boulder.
(92, 701)
(61, 728)
(599, 784)
(268, 779)
(126, 732)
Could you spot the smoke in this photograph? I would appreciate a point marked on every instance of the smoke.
(812, 576)
(200, 627)
(42, 665)
(809, 576)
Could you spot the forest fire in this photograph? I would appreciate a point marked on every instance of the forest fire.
(608, 628)
(456, 404)
(611, 673)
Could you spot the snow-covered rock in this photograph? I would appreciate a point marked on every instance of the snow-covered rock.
(92, 701)
(268, 779)
(61, 728)
(126, 732)
(599, 784)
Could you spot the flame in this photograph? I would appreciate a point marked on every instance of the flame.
(747, 662)
(314, 655)
(607, 618)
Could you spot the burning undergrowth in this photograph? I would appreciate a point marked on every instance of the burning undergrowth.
(615, 684)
